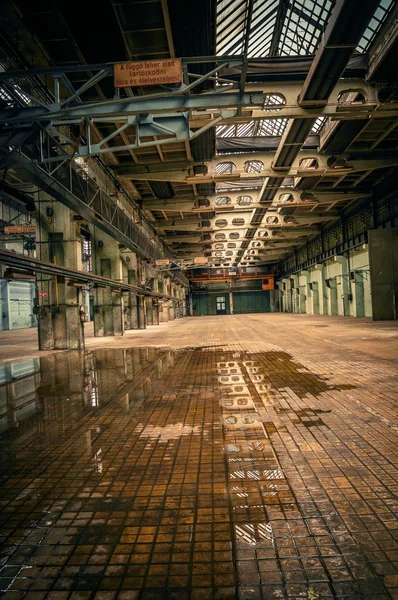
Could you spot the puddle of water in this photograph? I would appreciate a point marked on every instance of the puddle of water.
(152, 460)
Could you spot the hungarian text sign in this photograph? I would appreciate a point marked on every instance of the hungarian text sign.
(162, 262)
(19, 229)
(148, 72)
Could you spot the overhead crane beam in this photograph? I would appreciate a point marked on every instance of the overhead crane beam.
(297, 199)
(27, 263)
(252, 164)
(353, 166)
(193, 228)
(109, 110)
(100, 210)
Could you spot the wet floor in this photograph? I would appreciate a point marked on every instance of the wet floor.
(200, 473)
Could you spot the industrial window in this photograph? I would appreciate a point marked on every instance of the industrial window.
(253, 166)
(224, 168)
(244, 200)
(223, 201)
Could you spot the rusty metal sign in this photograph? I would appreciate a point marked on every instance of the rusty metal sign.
(148, 72)
(20, 229)
(162, 262)
(200, 260)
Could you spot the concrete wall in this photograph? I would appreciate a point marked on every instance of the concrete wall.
(338, 286)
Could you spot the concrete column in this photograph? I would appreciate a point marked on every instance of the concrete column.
(108, 302)
(141, 313)
(274, 300)
(149, 310)
(130, 304)
(163, 311)
(133, 311)
(190, 311)
(231, 303)
(171, 311)
(319, 277)
(155, 310)
(58, 241)
(286, 295)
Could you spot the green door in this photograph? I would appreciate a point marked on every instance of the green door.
(359, 299)
(251, 302)
(315, 298)
(303, 298)
(200, 304)
(333, 298)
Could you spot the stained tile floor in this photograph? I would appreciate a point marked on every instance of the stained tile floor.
(237, 460)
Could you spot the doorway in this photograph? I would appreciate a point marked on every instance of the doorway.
(333, 297)
(221, 305)
(315, 298)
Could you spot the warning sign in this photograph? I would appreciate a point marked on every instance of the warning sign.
(27, 228)
(162, 262)
(148, 72)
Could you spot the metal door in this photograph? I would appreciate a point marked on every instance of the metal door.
(221, 305)
(315, 298)
(21, 300)
(296, 300)
(359, 299)
(302, 299)
(251, 302)
(333, 298)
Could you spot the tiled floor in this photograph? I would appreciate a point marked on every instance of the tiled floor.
(236, 457)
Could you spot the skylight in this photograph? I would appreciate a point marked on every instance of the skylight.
(304, 25)
(273, 28)
(375, 24)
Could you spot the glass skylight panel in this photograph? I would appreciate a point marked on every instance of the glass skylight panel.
(303, 26)
(375, 24)
(5, 96)
(272, 127)
(305, 23)
(262, 27)
(318, 124)
(231, 20)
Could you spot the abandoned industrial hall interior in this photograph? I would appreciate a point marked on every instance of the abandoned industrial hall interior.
(198, 299)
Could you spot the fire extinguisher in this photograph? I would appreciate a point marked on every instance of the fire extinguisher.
(82, 314)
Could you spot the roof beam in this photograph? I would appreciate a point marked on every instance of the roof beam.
(110, 110)
(277, 32)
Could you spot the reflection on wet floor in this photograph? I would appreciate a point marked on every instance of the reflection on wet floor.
(148, 473)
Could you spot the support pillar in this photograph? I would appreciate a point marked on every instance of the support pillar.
(149, 310)
(130, 301)
(59, 300)
(231, 303)
(141, 313)
(163, 311)
(171, 311)
(108, 307)
(155, 309)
